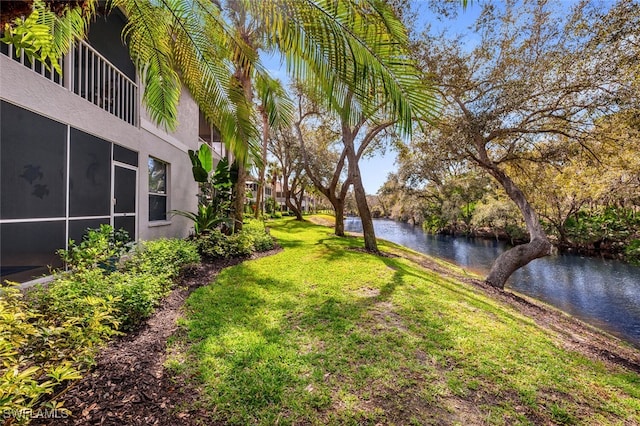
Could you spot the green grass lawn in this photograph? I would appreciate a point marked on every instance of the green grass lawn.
(321, 333)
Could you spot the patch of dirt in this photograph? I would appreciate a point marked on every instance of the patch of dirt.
(129, 384)
(322, 221)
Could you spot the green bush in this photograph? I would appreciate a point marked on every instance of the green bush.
(163, 256)
(50, 333)
(240, 244)
(99, 247)
(253, 237)
(276, 215)
(133, 292)
(262, 241)
(36, 351)
(216, 245)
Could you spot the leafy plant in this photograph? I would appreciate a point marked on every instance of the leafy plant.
(99, 247)
(205, 219)
(216, 192)
(29, 367)
(50, 334)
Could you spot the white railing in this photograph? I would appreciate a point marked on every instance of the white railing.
(217, 147)
(46, 71)
(91, 76)
(100, 82)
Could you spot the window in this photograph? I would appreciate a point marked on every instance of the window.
(157, 190)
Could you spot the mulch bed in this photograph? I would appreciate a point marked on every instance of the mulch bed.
(129, 385)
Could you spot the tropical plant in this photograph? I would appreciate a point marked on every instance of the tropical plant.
(216, 192)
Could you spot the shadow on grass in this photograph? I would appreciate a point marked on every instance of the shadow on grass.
(262, 342)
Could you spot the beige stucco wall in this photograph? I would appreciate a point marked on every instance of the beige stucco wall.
(27, 89)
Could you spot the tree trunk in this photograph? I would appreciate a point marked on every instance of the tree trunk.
(287, 196)
(294, 209)
(538, 246)
(238, 203)
(338, 207)
(261, 182)
(370, 242)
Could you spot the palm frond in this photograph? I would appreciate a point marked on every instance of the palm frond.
(47, 36)
(347, 46)
(274, 100)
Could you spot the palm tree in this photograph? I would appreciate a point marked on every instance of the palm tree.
(276, 110)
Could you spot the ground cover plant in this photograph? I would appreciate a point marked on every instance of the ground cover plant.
(51, 335)
(323, 333)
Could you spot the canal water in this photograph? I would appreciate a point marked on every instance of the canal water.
(605, 293)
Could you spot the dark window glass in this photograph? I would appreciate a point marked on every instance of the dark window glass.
(157, 207)
(78, 228)
(29, 249)
(32, 173)
(127, 223)
(90, 173)
(157, 189)
(125, 155)
(125, 190)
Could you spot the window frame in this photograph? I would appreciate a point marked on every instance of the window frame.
(152, 193)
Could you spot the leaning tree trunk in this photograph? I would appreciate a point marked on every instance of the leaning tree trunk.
(370, 242)
(294, 209)
(538, 246)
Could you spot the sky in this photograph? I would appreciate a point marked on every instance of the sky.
(374, 170)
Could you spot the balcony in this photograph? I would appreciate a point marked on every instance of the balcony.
(91, 76)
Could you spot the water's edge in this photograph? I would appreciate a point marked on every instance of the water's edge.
(604, 293)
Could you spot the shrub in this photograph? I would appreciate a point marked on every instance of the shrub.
(34, 354)
(99, 247)
(276, 215)
(137, 295)
(216, 245)
(163, 256)
(262, 241)
(253, 237)
(51, 332)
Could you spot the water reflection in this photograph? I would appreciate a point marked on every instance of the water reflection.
(605, 293)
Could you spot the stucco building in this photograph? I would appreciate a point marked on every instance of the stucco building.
(79, 150)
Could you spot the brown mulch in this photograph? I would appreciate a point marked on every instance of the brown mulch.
(128, 384)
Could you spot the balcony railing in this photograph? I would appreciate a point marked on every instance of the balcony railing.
(91, 76)
(217, 147)
(36, 66)
(100, 82)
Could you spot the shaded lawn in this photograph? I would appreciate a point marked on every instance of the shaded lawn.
(321, 333)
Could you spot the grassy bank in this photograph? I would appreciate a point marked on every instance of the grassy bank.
(323, 333)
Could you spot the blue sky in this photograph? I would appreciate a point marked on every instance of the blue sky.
(375, 169)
